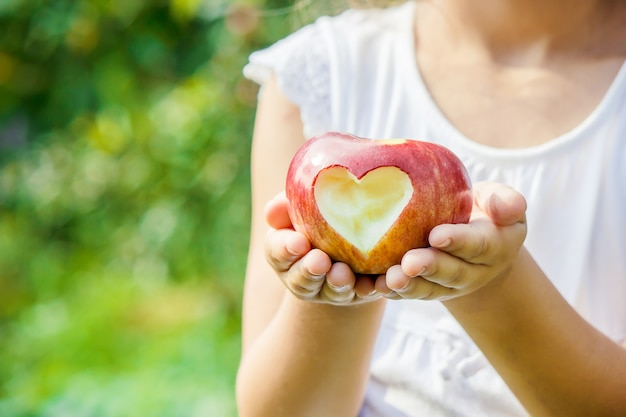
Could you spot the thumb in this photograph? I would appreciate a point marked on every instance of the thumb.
(503, 204)
(276, 212)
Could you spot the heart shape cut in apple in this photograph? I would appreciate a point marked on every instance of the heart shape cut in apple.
(366, 202)
(382, 194)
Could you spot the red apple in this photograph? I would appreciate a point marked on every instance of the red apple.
(366, 202)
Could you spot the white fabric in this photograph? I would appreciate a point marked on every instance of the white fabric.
(357, 73)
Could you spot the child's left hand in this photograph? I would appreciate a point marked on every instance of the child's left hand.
(463, 257)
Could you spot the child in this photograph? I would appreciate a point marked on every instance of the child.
(529, 93)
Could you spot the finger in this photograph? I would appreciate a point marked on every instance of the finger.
(405, 287)
(467, 241)
(305, 287)
(283, 247)
(306, 277)
(339, 285)
(504, 205)
(381, 288)
(396, 278)
(276, 212)
(393, 296)
(421, 289)
(365, 287)
(480, 242)
(442, 269)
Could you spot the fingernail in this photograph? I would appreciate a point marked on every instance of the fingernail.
(291, 250)
(371, 294)
(419, 274)
(405, 287)
(341, 288)
(445, 243)
(294, 244)
(315, 277)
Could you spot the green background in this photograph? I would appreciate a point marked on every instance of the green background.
(125, 130)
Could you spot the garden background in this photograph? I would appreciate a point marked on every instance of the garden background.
(125, 129)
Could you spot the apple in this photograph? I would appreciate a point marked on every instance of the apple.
(366, 202)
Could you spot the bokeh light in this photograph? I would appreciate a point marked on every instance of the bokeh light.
(125, 130)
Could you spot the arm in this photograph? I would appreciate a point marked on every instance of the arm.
(555, 362)
(300, 358)
(552, 359)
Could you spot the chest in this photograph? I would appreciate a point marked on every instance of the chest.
(509, 106)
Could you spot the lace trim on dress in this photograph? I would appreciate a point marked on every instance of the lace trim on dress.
(301, 66)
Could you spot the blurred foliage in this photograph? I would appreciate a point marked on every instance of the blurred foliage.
(125, 130)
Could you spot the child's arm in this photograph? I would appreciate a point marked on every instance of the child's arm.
(300, 358)
(555, 362)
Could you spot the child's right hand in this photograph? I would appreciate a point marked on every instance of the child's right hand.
(306, 272)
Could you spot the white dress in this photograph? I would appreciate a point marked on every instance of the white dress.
(357, 73)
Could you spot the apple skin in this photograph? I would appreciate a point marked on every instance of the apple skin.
(441, 194)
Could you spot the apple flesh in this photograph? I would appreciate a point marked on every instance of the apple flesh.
(366, 202)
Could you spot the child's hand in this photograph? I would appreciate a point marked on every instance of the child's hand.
(309, 273)
(463, 257)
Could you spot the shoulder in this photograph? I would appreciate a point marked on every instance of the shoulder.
(351, 28)
(369, 24)
(321, 65)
